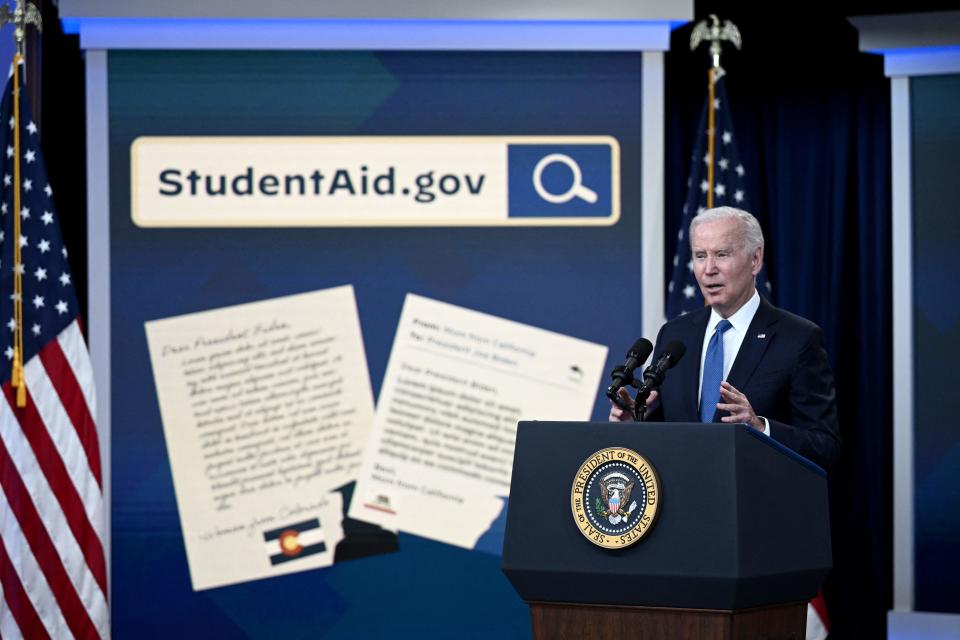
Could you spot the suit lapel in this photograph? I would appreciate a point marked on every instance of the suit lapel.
(691, 370)
(760, 333)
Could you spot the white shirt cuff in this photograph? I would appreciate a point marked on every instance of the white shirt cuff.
(766, 426)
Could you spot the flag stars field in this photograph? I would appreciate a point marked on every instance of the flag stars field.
(683, 294)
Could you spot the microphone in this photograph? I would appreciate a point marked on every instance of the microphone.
(654, 374)
(623, 374)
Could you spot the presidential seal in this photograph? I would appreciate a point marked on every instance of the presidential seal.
(615, 497)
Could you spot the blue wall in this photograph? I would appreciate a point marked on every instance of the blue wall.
(936, 321)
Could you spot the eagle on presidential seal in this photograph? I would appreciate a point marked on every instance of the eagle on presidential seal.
(615, 490)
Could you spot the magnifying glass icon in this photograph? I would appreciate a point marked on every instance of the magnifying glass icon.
(576, 190)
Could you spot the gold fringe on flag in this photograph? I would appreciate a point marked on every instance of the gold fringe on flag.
(24, 14)
(17, 376)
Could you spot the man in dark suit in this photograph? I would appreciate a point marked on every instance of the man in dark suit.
(746, 361)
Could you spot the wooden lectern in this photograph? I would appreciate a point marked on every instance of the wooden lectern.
(741, 541)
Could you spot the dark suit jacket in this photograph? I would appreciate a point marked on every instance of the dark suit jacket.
(781, 367)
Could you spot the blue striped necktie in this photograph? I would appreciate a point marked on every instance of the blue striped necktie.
(712, 373)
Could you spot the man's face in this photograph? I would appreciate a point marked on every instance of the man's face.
(725, 271)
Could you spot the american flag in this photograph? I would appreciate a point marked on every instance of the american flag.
(53, 576)
(683, 294)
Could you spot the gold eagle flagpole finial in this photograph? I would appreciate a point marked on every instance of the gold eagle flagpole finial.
(24, 14)
(712, 31)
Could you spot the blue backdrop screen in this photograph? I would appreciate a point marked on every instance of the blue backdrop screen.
(580, 281)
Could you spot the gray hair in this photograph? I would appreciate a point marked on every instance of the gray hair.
(752, 234)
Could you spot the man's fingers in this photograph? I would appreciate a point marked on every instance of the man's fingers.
(729, 407)
(730, 393)
(619, 414)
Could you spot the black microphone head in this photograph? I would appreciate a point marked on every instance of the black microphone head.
(675, 351)
(640, 350)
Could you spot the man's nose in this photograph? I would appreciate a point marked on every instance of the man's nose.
(710, 265)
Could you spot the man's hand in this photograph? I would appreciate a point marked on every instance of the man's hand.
(737, 405)
(626, 415)
(618, 414)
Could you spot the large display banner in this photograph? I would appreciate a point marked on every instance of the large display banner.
(542, 256)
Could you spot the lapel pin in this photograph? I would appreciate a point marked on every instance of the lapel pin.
(761, 336)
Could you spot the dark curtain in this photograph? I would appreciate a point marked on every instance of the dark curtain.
(58, 100)
(812, 118)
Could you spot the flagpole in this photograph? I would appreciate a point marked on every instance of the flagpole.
(711, 136)
(20, 18)
(711, 31)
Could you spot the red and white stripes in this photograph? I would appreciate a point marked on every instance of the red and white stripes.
(53, 576)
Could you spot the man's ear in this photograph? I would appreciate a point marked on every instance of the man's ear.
(756, 261)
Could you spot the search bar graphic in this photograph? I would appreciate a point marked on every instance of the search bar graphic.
(357, 181)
